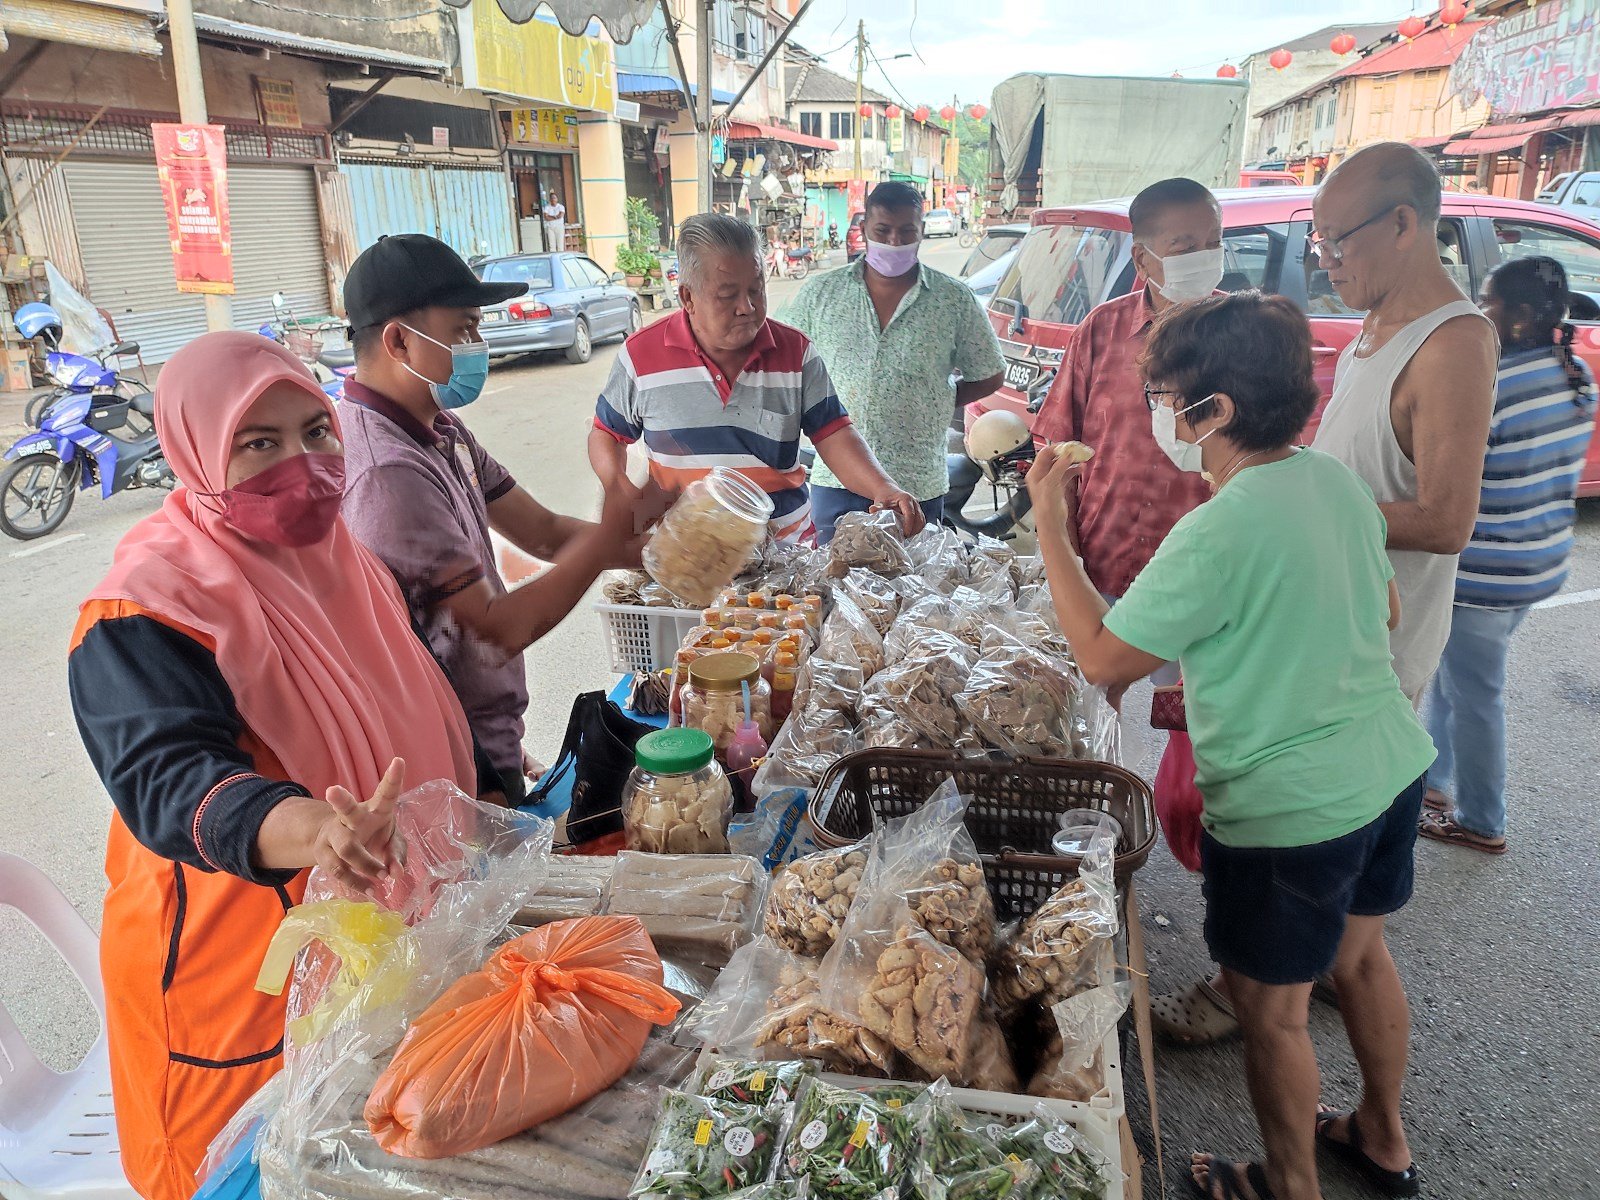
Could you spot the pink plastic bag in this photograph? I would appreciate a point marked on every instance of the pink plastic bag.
(1178, 800)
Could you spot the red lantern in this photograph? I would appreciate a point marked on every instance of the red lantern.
(977, 112)
(1412, 28)
(1227, 71)
(865, 110)
(948, 113)
(921, 113)
(1280, 59)
(1452, 14)
(1343, 44)
(892, 112)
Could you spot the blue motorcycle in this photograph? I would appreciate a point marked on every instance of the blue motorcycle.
(95, 429)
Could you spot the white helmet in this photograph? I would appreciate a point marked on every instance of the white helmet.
(998, 440)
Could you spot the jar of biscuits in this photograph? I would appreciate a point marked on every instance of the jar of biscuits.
(677, 799)
(707, 536)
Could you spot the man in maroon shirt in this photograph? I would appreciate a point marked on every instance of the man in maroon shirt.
(1131, 494)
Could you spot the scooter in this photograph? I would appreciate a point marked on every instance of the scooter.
(793, 263)
(331, 367)
(72, 374)
(1005, 476)
(84, 439)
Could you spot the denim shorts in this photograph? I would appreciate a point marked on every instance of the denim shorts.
(1277, 914)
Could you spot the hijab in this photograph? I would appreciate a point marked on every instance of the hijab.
(316, 643)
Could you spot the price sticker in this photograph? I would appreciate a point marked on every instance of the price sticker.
(1014, 1158)
(1058, 1142)
(702, 1134)
(758, 1081)
(896, 1103)
(720, 1080)
(739, 1142)
(858, 1139)
(813, 1135)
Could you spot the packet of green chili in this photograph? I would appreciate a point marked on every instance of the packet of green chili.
(702, 1148)
(1069, 1168)
(745, 1082)
(949, 1143)
(851, 1146)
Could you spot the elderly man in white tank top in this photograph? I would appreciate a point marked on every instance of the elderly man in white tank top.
(1413, 394)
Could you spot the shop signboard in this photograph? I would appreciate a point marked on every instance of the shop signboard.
(540, 61)
(1533, 59)
(191, 162)
(897, 134)
(555, 127)
(277, 103)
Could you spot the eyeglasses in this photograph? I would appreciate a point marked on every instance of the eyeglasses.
(1333, 248)
(1150, 394)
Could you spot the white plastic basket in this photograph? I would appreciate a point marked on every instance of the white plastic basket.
(641, 638)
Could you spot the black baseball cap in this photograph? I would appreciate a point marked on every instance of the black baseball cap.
(403, 272)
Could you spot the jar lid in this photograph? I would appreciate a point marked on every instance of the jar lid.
(674, 751)
(724, 672)
(739, 495)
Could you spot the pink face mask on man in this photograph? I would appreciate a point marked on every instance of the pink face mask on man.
(293, 503)
(892, 260)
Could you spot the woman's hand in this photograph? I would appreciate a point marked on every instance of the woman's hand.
(1049, 479)
(359, 843)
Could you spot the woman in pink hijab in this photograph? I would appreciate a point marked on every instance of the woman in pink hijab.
(253, 695)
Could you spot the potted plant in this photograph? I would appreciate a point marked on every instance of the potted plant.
(635, 264)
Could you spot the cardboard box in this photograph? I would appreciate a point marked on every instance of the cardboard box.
(18, 375)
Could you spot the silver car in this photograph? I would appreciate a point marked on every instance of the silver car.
(570, 305)
(940, 222)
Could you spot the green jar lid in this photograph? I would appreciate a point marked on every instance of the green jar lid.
(674, 751)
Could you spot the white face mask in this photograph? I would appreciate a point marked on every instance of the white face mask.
(1164, 426)
(1192, 276)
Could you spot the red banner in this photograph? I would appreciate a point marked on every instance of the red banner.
(856, 195)
(192, 163)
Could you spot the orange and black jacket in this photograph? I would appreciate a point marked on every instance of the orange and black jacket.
(188, 914)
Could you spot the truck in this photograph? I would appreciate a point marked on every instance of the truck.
(1060, 140)
(1577, 191)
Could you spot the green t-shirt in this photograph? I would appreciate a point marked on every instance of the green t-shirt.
(1273, 596)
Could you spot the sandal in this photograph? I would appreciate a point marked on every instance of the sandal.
(1196, 1016)
(1442, 827)
(1226, 1172)
(1436, 801)
(1390, 1183)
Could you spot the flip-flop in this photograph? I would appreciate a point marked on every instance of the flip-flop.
(1390, 1183)
(1226, 1172)
(1442, 827)
(1196, 1016)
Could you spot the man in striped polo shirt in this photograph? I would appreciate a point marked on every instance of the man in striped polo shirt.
(718, 384)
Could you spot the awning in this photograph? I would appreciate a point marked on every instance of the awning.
(312, 47)
(620, 17)
(1433, 143)
(1471, 147)
(78, 24)
(633, 82)
(1522, 129)
(1581, 118)
(745, 131)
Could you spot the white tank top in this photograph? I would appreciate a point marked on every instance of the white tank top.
(1358, 430)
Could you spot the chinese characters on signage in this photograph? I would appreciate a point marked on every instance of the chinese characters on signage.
(544, 126)
(277, 103)
(1533, 59)
(192, 165)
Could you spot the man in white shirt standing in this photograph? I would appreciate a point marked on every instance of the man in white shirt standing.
(555, 223)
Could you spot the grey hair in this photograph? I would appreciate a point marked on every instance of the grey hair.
(1404, 175)
(713, 233)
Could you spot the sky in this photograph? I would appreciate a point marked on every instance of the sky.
(965, 47)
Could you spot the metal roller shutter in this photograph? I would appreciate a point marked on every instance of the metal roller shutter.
(127, 259)
(467, 208)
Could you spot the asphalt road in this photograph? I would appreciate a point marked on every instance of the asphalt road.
(1500, 955)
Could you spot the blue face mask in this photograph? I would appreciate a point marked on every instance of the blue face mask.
(469, 369)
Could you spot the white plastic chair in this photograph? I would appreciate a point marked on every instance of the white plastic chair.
(57, 1135)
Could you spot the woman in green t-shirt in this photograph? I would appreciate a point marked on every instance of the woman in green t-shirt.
(1276, 598)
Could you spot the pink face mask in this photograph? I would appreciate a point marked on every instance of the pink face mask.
(293, 503)
(892, 260)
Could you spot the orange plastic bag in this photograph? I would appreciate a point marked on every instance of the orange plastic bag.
(553, 1018)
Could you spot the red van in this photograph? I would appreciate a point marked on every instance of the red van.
(1075, 258)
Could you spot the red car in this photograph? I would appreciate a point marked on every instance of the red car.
(1075, 258)
(855, 237)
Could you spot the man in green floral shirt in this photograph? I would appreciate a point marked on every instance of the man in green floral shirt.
(890, 331)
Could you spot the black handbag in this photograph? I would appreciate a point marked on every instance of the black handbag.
(598, 752)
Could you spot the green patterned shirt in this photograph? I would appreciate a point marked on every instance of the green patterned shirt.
(895, 383)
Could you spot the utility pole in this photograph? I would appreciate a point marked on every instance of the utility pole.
(861, 67)
(703, 119)
(192, 111)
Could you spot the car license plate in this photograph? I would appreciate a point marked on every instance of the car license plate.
(493, 317)
(1020, 376)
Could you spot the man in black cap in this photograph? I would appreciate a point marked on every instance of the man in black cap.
(422, 494)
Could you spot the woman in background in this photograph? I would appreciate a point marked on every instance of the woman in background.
(1544, 413)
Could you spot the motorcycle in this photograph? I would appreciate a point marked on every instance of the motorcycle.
(1005, 474)
(72, 374)
(304, 341)
(793, 263)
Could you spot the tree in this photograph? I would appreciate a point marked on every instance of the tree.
(974, 137)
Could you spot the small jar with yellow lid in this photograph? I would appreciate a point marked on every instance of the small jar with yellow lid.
(713, 697)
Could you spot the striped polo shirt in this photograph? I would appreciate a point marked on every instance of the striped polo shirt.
(665, 390)
(1537, 442)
